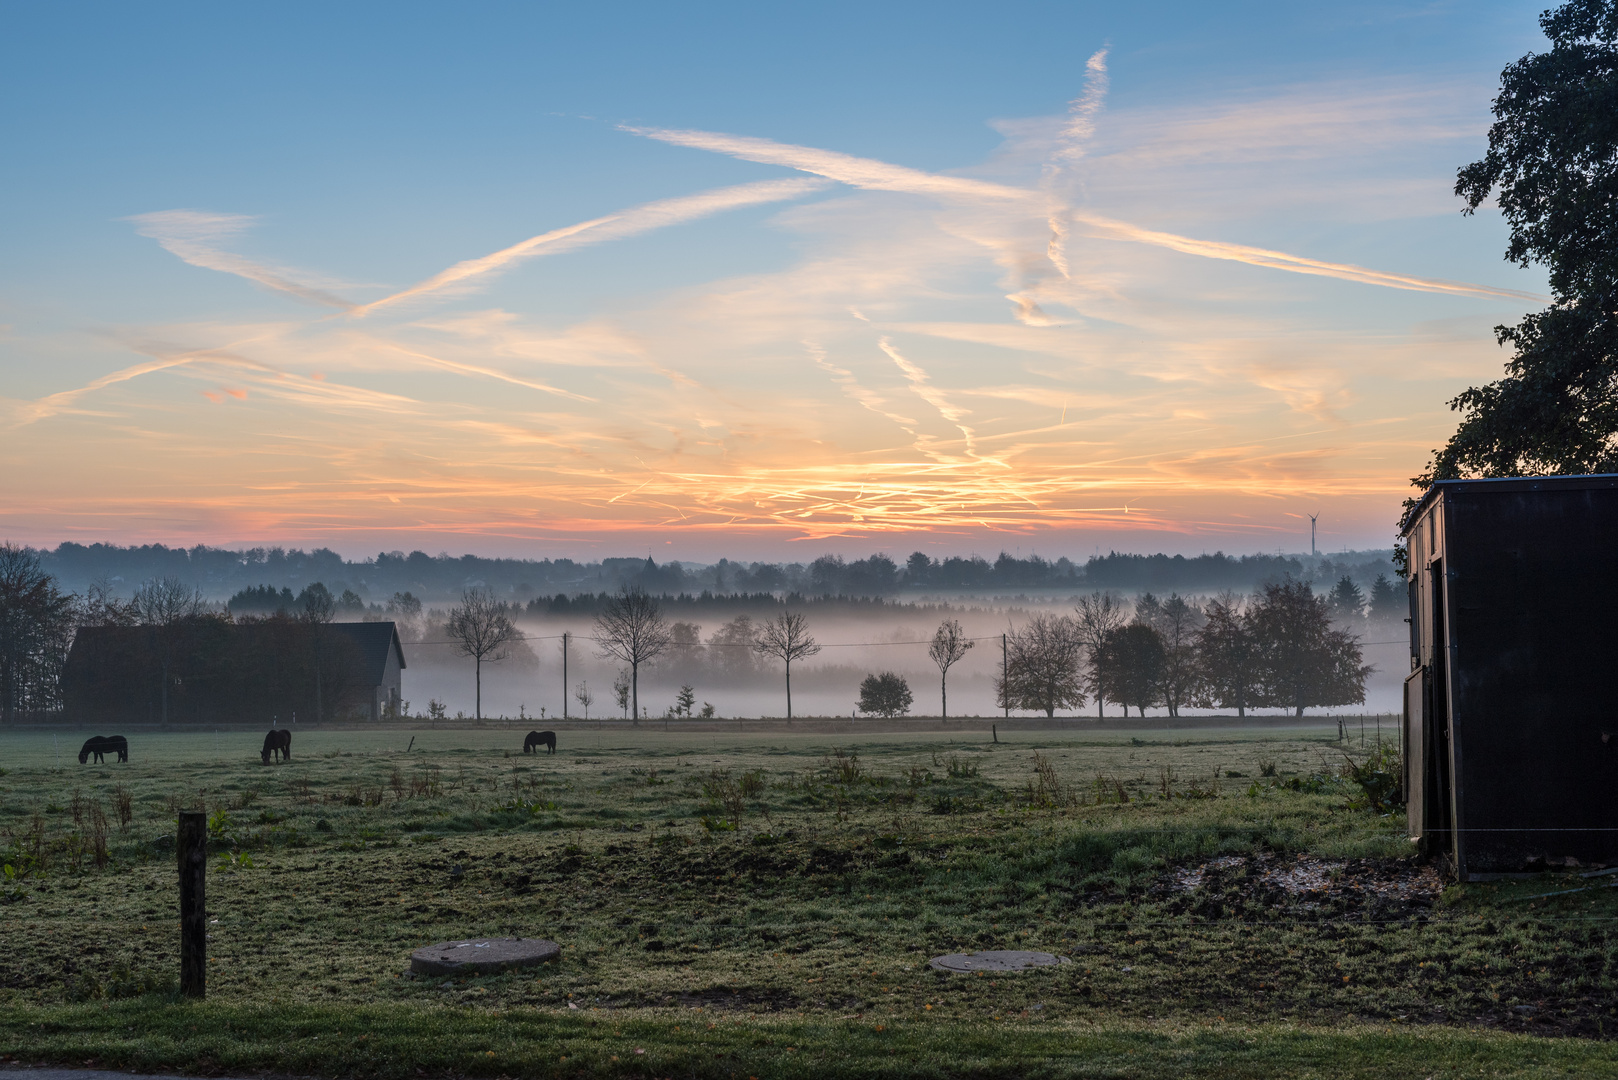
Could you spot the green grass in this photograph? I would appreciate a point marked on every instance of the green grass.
(808, 926)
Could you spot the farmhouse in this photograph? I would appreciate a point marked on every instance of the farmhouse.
(208, 669)
(1510, 732)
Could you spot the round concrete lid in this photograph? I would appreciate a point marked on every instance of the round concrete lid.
(997, 960)
(481, 955)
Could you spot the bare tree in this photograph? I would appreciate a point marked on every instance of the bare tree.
(164, 606)
(585, 698)
(483, 631)
(631, 628)
(949, 647)
(1042, 666)
(166, 601)
(786, 637)
(1099, 614)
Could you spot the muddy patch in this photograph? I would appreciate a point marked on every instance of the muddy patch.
(1304, 879)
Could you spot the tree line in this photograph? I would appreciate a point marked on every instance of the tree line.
(1279, 648)
(262, 576)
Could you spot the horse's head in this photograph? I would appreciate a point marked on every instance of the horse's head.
(266, 755)
(84, 755)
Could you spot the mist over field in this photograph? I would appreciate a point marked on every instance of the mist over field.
(854, 646)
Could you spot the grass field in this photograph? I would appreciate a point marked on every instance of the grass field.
(765, 904)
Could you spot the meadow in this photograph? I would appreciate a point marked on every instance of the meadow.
(765, 903)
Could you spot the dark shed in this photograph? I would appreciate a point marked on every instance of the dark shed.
(1511, 724)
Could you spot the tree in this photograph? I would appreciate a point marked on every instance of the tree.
(786, 638)
(405, 610)
(1552, 166)
(918, 568)
(1176, 621)
(631, 628)
(886, 694)
(317, 603)
(482, 630)
(36, 628)
(685, 701)
(166, 607)
(1042, 666)
(731, 650)
(949, 646)
(584, 698)
(1347, 601)
(1303, 660)
(620, 691)
(1228, 655)
(1132, 658)
(1097, 616)
(319, 607)
(1386, 603)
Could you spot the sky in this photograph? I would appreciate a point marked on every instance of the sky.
(747, 280)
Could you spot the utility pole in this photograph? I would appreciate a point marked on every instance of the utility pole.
(1005, 691)
(565, 636)
(1312, 519)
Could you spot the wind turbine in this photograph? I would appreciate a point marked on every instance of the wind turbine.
(1312, 519)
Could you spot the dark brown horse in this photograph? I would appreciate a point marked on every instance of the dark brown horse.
(104, 744)
(536, 739)
(278, 741)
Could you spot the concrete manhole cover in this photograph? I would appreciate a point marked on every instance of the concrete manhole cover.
(997, 960)
(481, 955)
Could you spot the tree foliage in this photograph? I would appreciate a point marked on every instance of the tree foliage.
(1133, 658)
(36, 628)
(1552, 166)
(886, 694)
(1303, 660)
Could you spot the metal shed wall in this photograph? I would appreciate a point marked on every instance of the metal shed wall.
(1512, 726)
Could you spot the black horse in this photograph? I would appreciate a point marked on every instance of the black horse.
(278, 741)
(536, 739)
(104, 744)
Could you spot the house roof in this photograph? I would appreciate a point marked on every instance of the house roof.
(1503, 484)
(374, 640)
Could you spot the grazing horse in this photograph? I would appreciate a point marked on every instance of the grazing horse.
(536, 739)
(278, 741)
(104, 744)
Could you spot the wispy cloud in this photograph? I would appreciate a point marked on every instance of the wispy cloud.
(639, 219)
(1295, 264)
(923, 388)
(858, 172)
(194, 235)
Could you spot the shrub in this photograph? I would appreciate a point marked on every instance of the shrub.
(886, 694)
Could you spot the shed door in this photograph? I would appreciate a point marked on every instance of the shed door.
(1415, 742)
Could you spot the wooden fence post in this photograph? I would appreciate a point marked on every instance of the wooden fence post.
(193, 856)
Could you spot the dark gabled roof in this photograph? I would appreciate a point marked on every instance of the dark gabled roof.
(1505, 483)
(374, 640)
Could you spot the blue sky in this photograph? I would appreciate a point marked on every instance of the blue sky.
(853, 365)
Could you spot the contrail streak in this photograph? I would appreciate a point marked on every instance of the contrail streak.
(881, 176)
(1296, 264)
(188, 235)
(639, 219)
(844, 168)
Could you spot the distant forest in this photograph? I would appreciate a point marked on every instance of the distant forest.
(222, 573)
